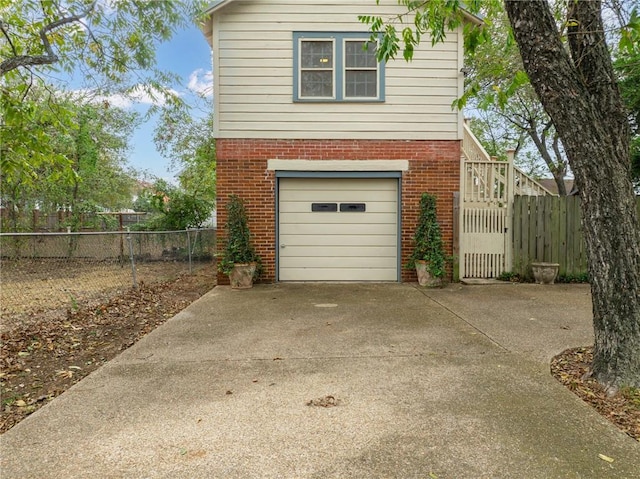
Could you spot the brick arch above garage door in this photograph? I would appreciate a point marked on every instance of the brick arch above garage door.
(339, 228)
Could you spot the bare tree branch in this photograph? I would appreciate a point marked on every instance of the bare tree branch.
(6, 35)
(50, 57)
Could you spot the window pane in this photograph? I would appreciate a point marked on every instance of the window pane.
(316, 54)
(357, 57)
(361, 84)
(316, 83)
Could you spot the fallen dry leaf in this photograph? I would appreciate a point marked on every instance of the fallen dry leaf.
(572, 368)
(326, 401)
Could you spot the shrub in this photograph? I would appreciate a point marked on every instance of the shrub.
(427, 239)
(238, 247)
(573, 278)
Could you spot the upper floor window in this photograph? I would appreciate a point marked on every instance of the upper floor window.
(336, 67)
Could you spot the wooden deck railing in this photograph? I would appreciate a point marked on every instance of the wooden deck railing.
(485, 182)
(527, 186)
(471, 147)
(486, 177)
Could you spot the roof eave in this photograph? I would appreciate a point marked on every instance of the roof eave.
(216, 5)
(470, 17)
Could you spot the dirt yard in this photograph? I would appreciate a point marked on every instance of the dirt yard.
(32, 288)
(46, 354)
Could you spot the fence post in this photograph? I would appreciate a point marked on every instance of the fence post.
(189, 250)
(133, 263)
(456, 237)
(510, 194)
(69, 243)
(462, 271)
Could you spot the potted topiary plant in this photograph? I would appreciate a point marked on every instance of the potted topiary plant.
(239, 259)
(428, 256)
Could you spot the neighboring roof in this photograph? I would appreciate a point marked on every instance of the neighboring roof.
(550, 184)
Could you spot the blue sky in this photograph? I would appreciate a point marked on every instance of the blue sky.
(188, 55)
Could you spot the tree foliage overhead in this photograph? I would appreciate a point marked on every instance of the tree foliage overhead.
(509, 106)
(109, 44)
(80, 165)
(109, 39)
(627, 66)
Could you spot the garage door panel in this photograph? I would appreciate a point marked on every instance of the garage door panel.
(334, 229)
(338, 218)
(305, 207)
(340, 262)
(339, 274)
(336, 196)
(343, 240)
(337, 184)
(337, 251)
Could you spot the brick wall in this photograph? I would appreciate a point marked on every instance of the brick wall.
(434, 166)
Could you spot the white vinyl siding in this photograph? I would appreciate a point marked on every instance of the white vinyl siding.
(338, 246)
(253, 77)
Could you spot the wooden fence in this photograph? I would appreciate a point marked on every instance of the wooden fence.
(547, 228)
(37, 221)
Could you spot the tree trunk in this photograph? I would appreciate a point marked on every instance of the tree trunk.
(556, 167)
(579, 94)
(560, 184)
(560, 171)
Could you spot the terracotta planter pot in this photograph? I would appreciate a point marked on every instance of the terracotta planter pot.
(424, 277)
(241, 276)
(545, 273)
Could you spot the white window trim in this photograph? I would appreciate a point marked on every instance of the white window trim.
(301, 69)
(345, 69)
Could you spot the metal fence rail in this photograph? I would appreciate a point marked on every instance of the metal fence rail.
(43, 272)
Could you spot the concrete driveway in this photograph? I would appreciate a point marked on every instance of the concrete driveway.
(450, 383)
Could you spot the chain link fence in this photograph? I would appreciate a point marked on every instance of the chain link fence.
(52, 272)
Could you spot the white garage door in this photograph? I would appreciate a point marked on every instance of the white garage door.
(338, 229)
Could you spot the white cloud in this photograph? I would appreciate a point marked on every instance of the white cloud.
(137, 96)
(201, 82)
(117, 99)
(141, 96)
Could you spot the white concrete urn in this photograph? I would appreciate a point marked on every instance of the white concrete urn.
(424, 276)
(241, 276)
(545, 273)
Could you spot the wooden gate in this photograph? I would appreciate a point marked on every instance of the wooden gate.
(484, 218)
(484, 249)
(487, 189)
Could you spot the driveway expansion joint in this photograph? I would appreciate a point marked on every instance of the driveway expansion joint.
(494, 341)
